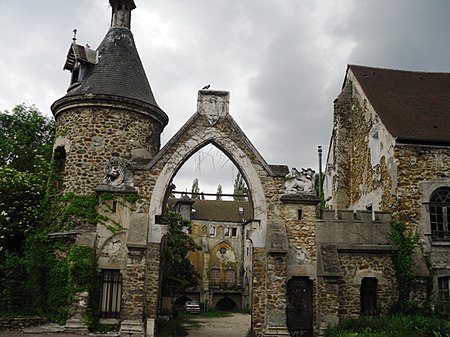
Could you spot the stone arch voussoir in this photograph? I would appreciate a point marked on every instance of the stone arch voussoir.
(181, 152)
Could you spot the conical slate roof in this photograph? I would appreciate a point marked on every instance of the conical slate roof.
(118, 72)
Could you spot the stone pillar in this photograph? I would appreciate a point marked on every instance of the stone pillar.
(259, 291)
(152, 280)
(78, 309)
(133, 295)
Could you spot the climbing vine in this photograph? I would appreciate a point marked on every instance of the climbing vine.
(403, 263)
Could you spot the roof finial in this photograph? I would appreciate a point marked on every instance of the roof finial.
(74, 39)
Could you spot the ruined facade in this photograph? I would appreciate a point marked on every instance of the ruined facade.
(303, 269)
(222, 263)
(390, 151)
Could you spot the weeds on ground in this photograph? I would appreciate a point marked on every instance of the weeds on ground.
(393, 326)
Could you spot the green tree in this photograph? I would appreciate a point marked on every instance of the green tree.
(25, 152)
(240, 188)
(178, 271)
(21, 196)
(26, 137)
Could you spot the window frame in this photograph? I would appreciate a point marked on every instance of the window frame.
(111, 293)
(439, 214)
(444, 288)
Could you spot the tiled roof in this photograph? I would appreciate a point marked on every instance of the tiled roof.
(414, 106)
(119, 71)
(220, 210)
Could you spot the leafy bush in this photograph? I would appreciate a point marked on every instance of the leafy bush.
(394, 326)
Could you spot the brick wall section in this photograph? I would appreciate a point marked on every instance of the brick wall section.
(97, 134)
(133, 286)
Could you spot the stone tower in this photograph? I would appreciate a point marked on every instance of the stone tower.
(109, 112)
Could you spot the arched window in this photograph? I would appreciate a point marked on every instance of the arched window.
(440, 214)
(230, 277)
(444, 288)
(215, 276)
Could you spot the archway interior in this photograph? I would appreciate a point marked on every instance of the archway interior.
(211, 167)
(217, 225)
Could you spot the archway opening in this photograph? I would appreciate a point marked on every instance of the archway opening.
(226, 304)
(211, 193)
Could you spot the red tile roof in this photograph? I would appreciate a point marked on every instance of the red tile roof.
(414, 106)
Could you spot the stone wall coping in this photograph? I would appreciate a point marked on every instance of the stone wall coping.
(373, 249)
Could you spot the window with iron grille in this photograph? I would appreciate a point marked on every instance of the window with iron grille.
(444, 288)
(111, 294)
(369, 296)
(215, 276)
(230, 276)
(440, 214)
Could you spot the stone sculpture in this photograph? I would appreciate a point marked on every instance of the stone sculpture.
(118, 173)
(297, 181)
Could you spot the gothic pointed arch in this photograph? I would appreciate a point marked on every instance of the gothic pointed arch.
(212, 124)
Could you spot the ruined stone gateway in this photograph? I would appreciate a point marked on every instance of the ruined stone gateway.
(308, 268)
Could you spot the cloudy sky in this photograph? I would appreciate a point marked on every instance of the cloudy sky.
(283, 61)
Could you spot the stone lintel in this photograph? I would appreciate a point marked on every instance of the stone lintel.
(300, 198)
(116, 189)
(136, 246)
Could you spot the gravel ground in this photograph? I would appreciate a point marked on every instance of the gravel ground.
(17, 333)
(236, 325)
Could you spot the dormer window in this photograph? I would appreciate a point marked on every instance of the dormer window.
(77, 58)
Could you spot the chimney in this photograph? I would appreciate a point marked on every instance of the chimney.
(121, 13)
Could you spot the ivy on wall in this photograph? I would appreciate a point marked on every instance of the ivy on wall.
(405, 243)
(44, 279)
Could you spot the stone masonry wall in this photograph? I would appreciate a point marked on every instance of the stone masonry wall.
(91, 136)
(259, 291)
(152, 280)
(357, 266)
(273, 188)
(133, 286)
(276, 290)
(301, 233)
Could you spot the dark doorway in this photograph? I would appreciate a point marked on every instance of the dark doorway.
(369, 296)
(226, 304)
(299, 307)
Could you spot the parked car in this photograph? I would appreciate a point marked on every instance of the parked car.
(192, 307)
